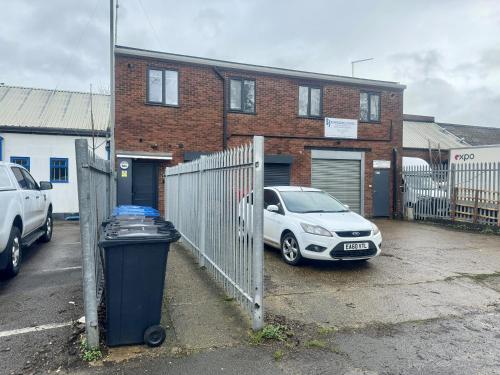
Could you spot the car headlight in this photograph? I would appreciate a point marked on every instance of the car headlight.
(375, 229)
(315, 229)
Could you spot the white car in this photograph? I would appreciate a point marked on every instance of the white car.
(309, 223)
(26, 215)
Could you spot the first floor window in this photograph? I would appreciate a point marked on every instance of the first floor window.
(242, 95)
(58, 170)
(163, 86)
(369, 106)
(23, 161)
(310, 99)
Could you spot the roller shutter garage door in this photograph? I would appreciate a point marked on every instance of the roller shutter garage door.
(276, 174)
(340, 178)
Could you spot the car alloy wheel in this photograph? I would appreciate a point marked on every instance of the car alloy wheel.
(48, 228)
(290, 249)
(16, 252)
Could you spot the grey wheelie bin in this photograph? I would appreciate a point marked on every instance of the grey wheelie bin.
(135, 260)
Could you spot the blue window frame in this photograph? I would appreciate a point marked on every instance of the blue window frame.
(59, 170)
(23, 161)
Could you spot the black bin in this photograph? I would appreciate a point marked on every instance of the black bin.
(135, 264)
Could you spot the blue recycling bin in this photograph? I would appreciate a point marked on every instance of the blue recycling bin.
(130, 210)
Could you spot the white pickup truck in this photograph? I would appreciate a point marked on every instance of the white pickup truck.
(25, 215)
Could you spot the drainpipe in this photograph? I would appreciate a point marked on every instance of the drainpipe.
(395, 183)
(224, 108)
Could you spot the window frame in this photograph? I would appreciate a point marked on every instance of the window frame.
(25, 158)
(241, 79)
(66, 160)
(162, 103)
(370, 93)
(309, 88)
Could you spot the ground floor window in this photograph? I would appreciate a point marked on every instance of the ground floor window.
(58, 170)
(23, 161)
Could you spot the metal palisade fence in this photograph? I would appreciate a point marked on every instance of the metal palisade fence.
(462, 192)
(216, 203)
(94, 180)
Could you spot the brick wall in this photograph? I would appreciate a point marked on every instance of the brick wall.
(196, 125)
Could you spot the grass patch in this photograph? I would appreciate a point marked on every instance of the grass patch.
(315, 344)
(89, 354)
(228, 299)
(276, 332)
(278, 355)
(326, 330)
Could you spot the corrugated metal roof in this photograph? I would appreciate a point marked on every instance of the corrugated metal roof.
(474, 135)
(40, 108)
(417, 134)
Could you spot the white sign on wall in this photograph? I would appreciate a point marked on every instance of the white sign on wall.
(378, 164)
(341, 128)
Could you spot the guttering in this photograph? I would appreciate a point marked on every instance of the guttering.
(224, 107)
(53, 131)
(228, 65)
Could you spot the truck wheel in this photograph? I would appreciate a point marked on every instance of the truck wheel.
(14, 253)
(48, 227)
(154, 336)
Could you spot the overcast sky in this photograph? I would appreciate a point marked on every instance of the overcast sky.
(447, 52)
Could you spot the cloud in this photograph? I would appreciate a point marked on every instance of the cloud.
(446, 52)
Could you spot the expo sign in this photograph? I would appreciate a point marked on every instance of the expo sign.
(464, 157)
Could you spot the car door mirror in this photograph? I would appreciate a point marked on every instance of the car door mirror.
(346, 206)
(45, 185)
(272, 208)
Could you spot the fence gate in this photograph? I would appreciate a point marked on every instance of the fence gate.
(216, 203)
(94, 179)
(463, 192)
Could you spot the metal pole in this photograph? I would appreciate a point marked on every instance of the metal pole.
(112, 190)
(88, 260)
(258, 227)
(202, 185)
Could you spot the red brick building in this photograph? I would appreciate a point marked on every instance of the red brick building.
(172, 108)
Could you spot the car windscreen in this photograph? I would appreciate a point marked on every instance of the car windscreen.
(311, 201)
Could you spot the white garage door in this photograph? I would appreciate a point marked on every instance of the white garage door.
(340, 178)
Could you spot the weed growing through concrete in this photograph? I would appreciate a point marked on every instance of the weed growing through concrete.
(326, 330)
(278, 355)
(318, 344)
(89, 354)
(275, 332)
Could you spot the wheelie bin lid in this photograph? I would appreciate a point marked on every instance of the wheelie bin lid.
(117, 236)
(130, 210)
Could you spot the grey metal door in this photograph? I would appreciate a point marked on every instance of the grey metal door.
(144, 184)
(339, 178)
(276, 174)
(380, 193)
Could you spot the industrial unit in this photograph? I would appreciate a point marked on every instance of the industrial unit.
(336, 133)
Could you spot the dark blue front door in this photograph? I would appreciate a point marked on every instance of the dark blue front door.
(381, 206)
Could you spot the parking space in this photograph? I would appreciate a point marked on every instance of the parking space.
(39, 305)
(424, 272)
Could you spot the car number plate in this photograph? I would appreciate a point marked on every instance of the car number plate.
(356, 246)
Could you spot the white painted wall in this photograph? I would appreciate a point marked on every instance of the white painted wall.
(40, 148)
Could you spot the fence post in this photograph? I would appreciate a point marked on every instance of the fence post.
(88, 260)
(203, 209)
(258, 226)
(476, 206)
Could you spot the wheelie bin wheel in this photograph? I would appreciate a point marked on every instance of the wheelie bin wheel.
(154, 336)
